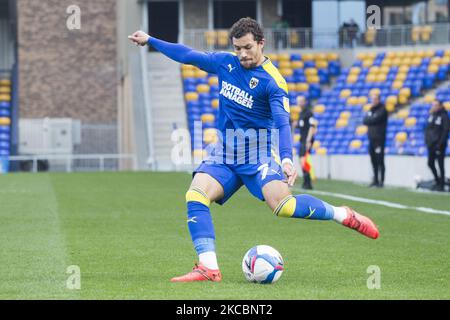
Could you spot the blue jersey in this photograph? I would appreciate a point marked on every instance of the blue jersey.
(249, 99)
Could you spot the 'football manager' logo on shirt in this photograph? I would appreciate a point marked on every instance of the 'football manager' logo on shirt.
(236, 94)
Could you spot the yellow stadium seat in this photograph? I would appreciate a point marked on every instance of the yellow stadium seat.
(286, 72)
(384, 69)
(353, 101)
(187, 74)
(208, 117)
(374, 70)
(213, 81)
(307, 57)
(447, 105)
(210, 135)
(284, 64)
(445, 60)
(367, 107)
(5, 90)
(390, 107)
(371, 55)
(203, 88)
(187, 67)
(320, 56)
(320, 108)
(5, 97)
(331, 56)
(374, 91)
(361, 56)
(370, 35)
(406, 61)
(415, 33)
(397, 84)
(405, 92)
(361, 130)
(401, 137)
(210, 37)
(5, 82)
(291, 87)
(321, 151)
(199, 153)
(322, 64)
(5, 121)
(215, 103)
(429, 98)
(355, 144)
(381, 77)
(316, 145)
(295, 109)
(426, 33)
(435, 60)
(367, 63)
(352, 78)
(345, 93)
(416, 61)
(341, 123)
(201, 74)
(296, 137)
(362, 100)
(222, 38)
(403, 114)
(390, 55)
(410, 122)
(433, 68)
(295, 116)
(401, 76)
(345, 115)
(284, 57)
(403, 69)
(355, 70)
(386, 62)
(310, 71)
(297, 64)
(302, 86)
(313, 79)
(409, 54)
(402, 99)
(446, 54)
(191, 96)
(371, 78)
(396, 62)
(272, 56)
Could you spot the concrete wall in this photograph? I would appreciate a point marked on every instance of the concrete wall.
(67, 73)
(400, 170)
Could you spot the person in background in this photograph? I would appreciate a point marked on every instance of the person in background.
(308, 128)
(376, 121)
(436, 135)
(280, 31)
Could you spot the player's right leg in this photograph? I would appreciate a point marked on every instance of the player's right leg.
(211, 182)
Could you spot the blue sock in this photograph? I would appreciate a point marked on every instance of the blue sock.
(200, 222)
(304, 206)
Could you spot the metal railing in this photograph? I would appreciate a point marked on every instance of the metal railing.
(307, 38)
(72, 163)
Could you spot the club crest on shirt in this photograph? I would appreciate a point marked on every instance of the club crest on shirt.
(253, 83)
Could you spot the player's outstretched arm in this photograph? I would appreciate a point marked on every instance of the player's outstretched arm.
(175, 51)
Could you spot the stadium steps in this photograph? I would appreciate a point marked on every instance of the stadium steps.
(167, 104)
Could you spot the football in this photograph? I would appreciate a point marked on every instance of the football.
(262, 264)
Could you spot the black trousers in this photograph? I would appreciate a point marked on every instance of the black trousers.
(376, 151)
(439, 155)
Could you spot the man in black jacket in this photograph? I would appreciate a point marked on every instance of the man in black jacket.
(376, 120)
(436, 135)
(308, 128)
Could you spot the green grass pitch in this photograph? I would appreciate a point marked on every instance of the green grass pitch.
(127, 232)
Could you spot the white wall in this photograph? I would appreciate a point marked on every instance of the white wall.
(400, 170)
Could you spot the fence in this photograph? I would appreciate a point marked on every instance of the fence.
(307, 38)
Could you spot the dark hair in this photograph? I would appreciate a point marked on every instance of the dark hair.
(245, 26)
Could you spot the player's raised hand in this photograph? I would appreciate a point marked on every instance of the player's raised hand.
(290, 172)
(139, 38)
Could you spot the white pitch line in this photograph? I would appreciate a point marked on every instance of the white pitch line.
(379, 202)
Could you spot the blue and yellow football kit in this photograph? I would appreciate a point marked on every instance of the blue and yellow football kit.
(253, 119)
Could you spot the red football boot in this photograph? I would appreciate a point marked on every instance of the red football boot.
(360, 223)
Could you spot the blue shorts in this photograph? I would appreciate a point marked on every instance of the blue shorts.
(233, 176)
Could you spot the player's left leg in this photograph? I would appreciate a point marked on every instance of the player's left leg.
(284, 204)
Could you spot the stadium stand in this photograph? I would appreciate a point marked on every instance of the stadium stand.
(341, 97)
(5, 116)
